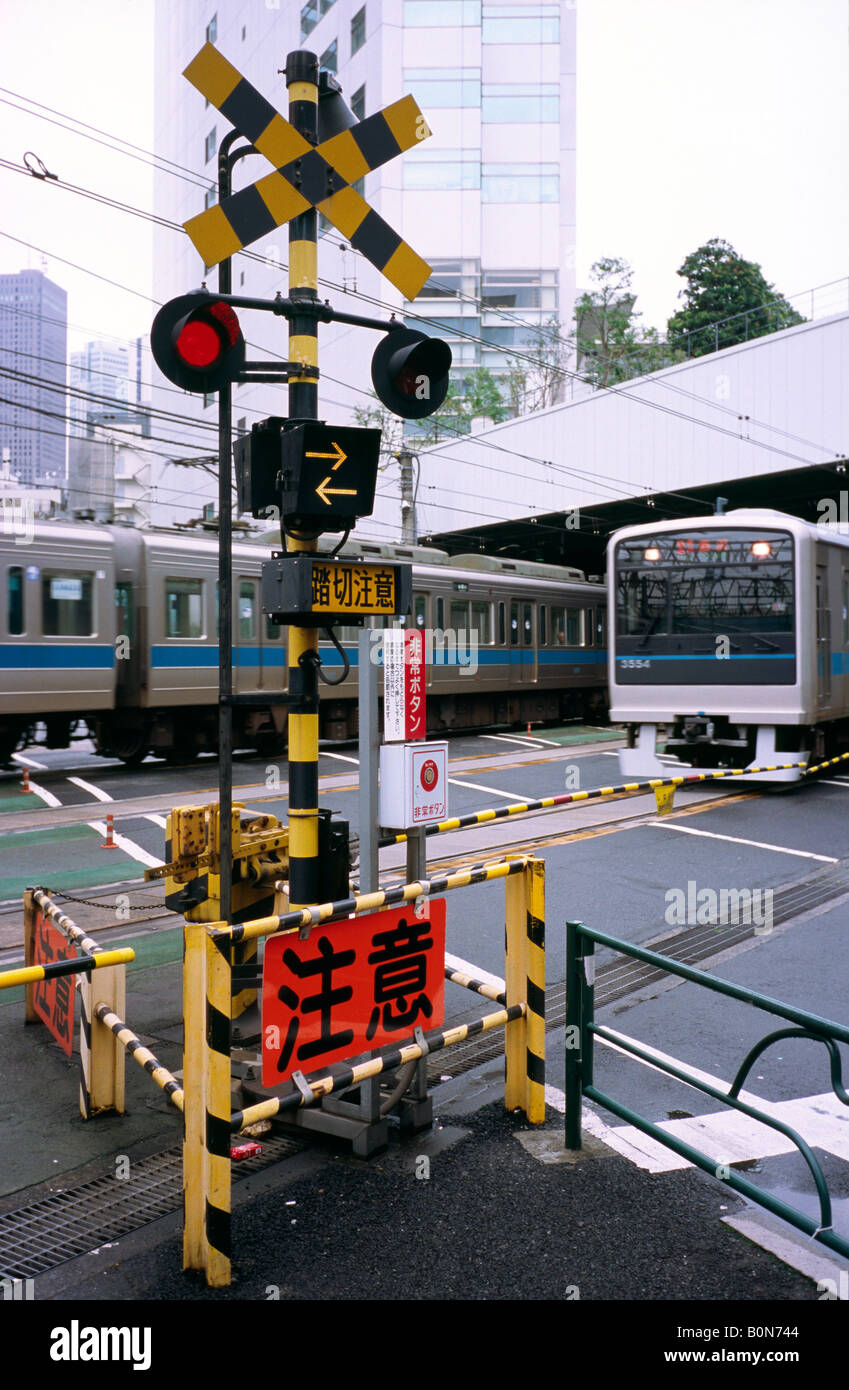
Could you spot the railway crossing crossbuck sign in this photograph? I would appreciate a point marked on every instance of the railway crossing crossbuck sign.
(306, 176)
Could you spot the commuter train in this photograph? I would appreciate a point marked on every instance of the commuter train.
(732, 631)
(111, 632)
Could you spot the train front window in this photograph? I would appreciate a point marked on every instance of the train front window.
(705, 583)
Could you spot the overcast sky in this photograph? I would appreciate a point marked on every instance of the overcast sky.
(696, 119)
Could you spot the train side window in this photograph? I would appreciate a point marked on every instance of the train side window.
(184, 607)
(589, 627)
(247, 611)
(558, 626)
(845, 611)
(15, 609)
(420, 610)
(528, 624)
(574, 627)
(440, 613)
(482, 622)
(514, 624)
(599, 627)
(459, 616)
(502, 625)
(541, 621)
(272, 630)
(67, 604)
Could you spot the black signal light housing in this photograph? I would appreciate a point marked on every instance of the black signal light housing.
(197, 342)
(409, 372)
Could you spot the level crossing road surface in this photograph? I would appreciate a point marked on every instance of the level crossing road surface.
(633, 1224)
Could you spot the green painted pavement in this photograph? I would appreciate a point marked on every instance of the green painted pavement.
(23, 860)
(152, 950)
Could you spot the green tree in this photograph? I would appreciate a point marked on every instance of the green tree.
(726, 300)
(611, 342)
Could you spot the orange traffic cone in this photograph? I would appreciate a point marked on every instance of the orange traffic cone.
(109, 842)
(26, 786)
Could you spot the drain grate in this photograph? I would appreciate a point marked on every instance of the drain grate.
(77, 1222)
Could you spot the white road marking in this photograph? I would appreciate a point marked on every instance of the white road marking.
(158, 820)
(510, 738)
(29, 762)
(476, 971)
(47, 797)
(493, 791)
(91, 789)
(340, 757)
(832, 782)
(128, 846)
(736, 840)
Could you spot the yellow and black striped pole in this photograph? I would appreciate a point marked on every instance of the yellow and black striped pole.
(524, 1045)
(302, 82)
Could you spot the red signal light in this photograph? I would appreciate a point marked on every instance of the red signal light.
(198, 344)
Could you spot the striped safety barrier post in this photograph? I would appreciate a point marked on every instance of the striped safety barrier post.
(31, 974)
(207, 996)
(141, 1054)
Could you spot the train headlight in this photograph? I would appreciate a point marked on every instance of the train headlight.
(652, 553)
(761, 549)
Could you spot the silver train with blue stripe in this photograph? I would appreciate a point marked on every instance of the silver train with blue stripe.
(731, 633)
(111, 633)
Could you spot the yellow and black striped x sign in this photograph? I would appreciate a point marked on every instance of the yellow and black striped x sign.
(306, 176)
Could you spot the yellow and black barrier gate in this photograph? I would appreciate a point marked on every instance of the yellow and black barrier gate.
(209, 1117)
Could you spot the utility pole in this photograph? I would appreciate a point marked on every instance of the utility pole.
(409, 531)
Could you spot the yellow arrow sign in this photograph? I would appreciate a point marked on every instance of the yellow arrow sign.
(325, 492)
(338, 454)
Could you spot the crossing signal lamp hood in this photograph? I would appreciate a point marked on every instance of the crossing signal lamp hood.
(409, 372)
(197, 342)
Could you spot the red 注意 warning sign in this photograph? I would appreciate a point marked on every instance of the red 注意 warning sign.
(404, 697)
(351, 987)
(54, 999)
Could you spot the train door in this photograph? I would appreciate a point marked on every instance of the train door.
(247, 671)
(514, 643)
(823, 639)
(529, 641)
(127, 644)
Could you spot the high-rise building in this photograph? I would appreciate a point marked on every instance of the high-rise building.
(33, 358)
(488, 200)
(99, 378)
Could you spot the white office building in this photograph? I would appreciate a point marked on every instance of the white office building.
(99, 378)
(488, 200)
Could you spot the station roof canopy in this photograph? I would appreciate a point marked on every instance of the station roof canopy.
(580, 537)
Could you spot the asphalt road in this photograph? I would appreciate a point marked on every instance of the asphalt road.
(613, 864)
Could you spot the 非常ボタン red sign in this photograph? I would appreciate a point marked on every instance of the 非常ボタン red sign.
(54, 999)
(351, 987)
(404, 698)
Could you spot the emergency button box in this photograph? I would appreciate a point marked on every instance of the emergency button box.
(413, 784)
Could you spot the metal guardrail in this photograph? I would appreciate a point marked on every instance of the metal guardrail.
(582, 1030)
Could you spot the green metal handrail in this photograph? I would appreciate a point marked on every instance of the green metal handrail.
(581, 1031)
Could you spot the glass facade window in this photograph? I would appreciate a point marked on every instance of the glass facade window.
(330, 57)
(358, 30)
(441, 87)
(509, 103)
(521, 24)
(184, 608)
(210, 197)
(67, 604)
(520, 289)
(309, 18)
(520, 183)
(15, 609)
(212, 29)
(210, 145)
(443, 169)
(438, 14)
(358, 103)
